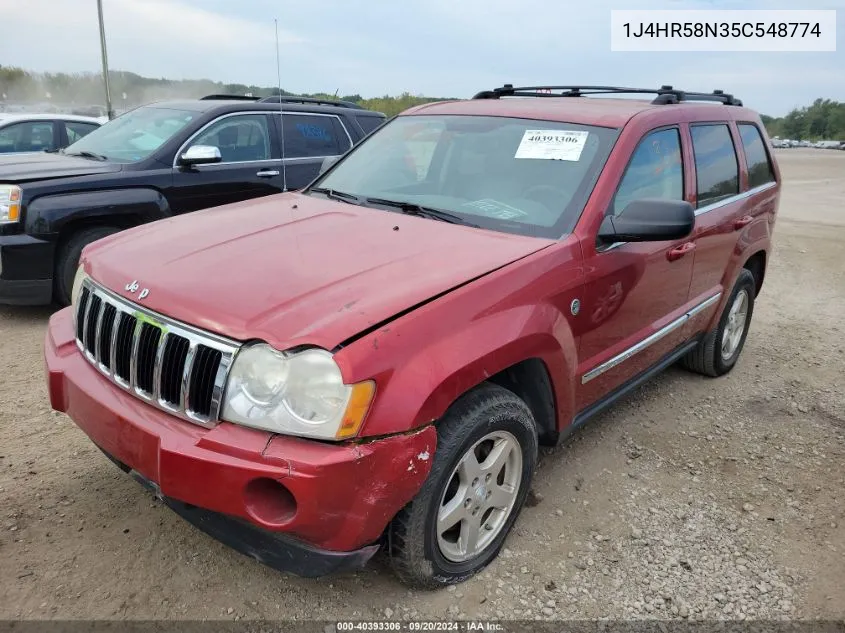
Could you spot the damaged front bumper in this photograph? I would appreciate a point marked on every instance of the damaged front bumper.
(297, 505)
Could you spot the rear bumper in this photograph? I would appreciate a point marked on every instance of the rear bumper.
(337, 498)
(26, 270)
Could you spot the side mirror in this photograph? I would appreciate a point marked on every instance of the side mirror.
(649, 220)
(200, 155)
(328, 162)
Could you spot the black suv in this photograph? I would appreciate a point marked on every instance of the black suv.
(151, 163)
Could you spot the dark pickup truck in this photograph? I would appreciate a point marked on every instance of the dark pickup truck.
(151, 163)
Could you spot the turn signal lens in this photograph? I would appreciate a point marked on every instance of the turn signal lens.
(10, 204)
(356, 410)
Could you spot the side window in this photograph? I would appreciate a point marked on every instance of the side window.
(76, 130)
(369, 123)
(310, 136)
(28, 136)
(716, 165)
(656, 170)
(240, 138)
(756, 157)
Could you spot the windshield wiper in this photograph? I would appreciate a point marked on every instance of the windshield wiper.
(412, 208)
(337, 195)
(87, 154)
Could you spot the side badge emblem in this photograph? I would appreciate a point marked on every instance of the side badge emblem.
(575, 307)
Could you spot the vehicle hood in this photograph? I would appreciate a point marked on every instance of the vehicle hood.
(292, 269)
(43, 166)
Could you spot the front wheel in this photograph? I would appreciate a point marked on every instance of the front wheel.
(486, 455)
(67, 260)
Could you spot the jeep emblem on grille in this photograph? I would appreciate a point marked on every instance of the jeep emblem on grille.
(133, 288)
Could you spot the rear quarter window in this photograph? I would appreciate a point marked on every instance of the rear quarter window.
(757, 158)
(369, 123)
(716, 164)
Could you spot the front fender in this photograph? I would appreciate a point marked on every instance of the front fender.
(47, 215)
(420, 389)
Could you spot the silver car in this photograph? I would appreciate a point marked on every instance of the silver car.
(22, 132)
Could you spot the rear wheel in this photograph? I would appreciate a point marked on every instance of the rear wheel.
(456, 525)
(718, 352)
(68, 260)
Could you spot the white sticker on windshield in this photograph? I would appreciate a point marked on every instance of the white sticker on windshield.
(552, 144)
(496, 209)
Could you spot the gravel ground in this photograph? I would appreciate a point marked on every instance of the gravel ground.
(694, 498)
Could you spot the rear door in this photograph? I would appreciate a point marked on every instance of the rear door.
(250, 166)
(309, 138)
(734, 194)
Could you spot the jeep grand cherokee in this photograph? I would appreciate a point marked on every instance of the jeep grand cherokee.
(373, 361)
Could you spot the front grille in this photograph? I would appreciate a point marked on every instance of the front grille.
(168, 364)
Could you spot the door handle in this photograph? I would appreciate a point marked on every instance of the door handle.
(680, 251)
(743, 222)
(268, 173)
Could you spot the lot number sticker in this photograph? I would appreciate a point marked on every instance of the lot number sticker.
(552, 144)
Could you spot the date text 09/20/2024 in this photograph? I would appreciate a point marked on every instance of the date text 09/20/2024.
(432, 626)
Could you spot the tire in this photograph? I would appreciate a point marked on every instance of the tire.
(485, 419)
(68, 260)
(709, 358)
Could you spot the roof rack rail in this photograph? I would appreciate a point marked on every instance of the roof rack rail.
(222, 97)
(312, 100)
(665, 94)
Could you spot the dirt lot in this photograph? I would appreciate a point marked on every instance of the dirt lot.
(695, 497)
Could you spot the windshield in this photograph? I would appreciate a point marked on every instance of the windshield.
(133, 136)
(513, 175)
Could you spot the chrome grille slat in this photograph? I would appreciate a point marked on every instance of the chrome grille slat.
(122, 340)
(184, 402)
(162, 343)
(118, 319)
(98, 330)
(133, 358)
(85, 324)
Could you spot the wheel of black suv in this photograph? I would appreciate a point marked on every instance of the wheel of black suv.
(68, 260)
(486, 454)
(719, 350)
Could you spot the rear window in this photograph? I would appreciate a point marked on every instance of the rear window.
(716, 164)
(756, 157)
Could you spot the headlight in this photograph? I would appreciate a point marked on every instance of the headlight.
(77, 286)
(291, 393)
(10, 204)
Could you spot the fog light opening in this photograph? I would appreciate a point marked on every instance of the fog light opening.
(269, 502)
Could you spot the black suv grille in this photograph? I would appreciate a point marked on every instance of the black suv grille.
(170, 365)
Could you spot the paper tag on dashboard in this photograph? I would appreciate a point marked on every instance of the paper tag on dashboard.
(552, 144)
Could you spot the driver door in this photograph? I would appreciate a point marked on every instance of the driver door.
(250, 165)
(635, 293)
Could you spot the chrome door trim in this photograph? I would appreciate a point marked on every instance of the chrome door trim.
(734, 198)
(649, 340)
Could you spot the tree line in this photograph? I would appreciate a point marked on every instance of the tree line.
(824, 119)
(130, 89)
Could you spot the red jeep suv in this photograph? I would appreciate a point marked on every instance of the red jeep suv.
(373, 361)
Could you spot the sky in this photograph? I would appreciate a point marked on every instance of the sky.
(448, 48)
